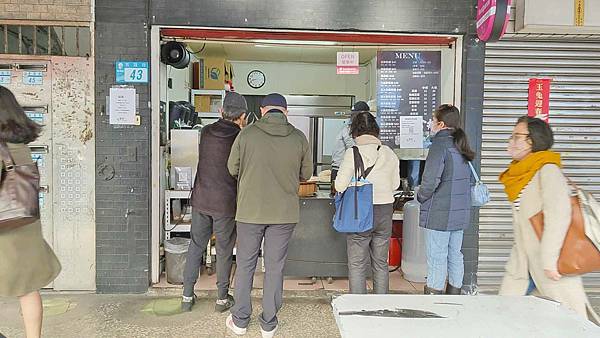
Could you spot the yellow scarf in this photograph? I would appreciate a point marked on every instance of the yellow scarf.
(520, 173)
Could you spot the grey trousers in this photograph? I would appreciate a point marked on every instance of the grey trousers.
(201, 232)
(276, 239)
(370, 248)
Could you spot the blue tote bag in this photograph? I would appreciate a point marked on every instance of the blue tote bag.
(480, 195)
(354, 207)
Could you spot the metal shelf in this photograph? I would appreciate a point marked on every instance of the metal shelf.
(207, 92)
(209, 115)
(210, 92)
(183, 227)
(169, 226)
(177, 194)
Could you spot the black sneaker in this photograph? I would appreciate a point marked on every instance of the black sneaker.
(224, 307)
(187, 303)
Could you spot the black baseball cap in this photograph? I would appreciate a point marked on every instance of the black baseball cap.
(274, 99)
(360, 106)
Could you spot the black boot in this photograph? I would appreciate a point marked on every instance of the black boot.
(429, 291)
(451, 290)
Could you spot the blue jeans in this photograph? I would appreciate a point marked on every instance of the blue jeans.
(414, 168)
(444, 258)
(531, 287)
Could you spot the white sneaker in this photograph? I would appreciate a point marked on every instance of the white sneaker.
(233, 328)
(269, 334)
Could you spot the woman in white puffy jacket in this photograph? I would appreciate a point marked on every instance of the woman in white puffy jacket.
(371, 247)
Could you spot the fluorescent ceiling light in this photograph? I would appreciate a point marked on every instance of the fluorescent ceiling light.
(297, 42)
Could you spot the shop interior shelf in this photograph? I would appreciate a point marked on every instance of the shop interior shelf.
(174, 194)
(208, 92)
(170, 224)
(209, 114)
(181, 227)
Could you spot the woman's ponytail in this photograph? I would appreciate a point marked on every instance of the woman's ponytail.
(462, 144)
(450, 115)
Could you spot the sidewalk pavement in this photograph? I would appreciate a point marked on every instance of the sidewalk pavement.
(116, 316)
(67, 315)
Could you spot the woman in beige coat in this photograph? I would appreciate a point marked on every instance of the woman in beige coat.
(369, 249)
(534, 183)
(27, 263)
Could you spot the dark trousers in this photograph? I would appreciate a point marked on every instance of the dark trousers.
(370, 248)
(201, 232)
(276, 239)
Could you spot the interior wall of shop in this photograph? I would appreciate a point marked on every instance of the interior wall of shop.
(122, 32)
(298, 78)
(181, 83)
(301, 78)
(306, 79)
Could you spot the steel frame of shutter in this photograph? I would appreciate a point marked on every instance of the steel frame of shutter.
(574, 66)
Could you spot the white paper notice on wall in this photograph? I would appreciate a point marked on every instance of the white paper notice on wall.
(122, 106)
(411, 132)
(347, 63)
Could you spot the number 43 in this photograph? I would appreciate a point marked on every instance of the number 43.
(136, 74)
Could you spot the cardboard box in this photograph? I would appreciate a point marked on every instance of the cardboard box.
(202, 103)
(209, 73)
(207, 103)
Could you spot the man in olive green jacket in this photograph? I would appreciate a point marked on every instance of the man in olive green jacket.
(269, 158)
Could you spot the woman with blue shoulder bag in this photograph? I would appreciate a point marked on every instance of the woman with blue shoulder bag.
(374, 166)
(446, 201)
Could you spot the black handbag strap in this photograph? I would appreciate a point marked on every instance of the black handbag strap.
(360, 172)
(359, 166)
(368, 171)
(359, 169)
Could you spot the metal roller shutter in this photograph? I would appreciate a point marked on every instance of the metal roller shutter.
(574, 66)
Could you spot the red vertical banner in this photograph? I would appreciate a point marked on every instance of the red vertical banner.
(539, 99)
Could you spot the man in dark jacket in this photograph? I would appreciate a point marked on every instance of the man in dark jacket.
(214, 202)
(269, 158)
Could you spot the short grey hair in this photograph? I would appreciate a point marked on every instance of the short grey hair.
(233, 114)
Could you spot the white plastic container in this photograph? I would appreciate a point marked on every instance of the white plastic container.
(414, 259)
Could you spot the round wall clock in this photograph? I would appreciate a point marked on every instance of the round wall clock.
(256, 79)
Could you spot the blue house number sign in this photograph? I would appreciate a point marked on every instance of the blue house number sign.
(131, 71)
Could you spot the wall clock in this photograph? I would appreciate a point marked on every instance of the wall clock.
(256, 79)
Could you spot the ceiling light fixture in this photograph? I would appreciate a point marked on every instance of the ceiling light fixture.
(296, 42)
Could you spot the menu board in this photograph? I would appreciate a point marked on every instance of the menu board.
(408, 91)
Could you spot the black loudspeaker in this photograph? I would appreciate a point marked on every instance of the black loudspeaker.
(174, 54)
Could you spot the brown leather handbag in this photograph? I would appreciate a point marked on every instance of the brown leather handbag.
(19, 189)
(578, 254)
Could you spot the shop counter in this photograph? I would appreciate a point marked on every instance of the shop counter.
(316, 249)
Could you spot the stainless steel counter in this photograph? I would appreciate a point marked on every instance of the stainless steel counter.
(316, 249)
